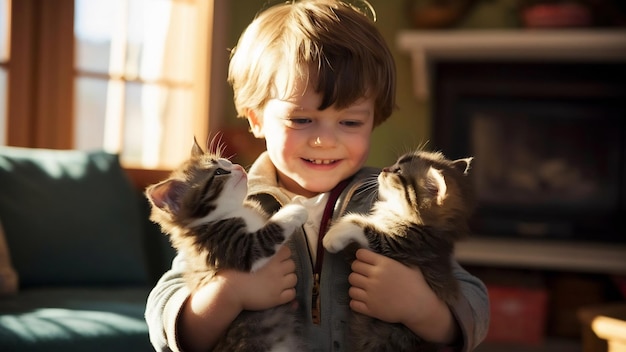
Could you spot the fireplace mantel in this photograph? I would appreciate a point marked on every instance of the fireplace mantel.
(425, 47)
(538, 254)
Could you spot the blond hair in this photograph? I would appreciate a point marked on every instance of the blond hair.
(329, 43)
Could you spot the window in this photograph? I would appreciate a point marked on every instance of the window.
(128, 76)
(140, 66)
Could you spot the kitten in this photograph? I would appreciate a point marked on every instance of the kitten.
(203, 208)
(423, 207)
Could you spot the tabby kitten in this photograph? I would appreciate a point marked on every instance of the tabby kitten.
(423, 207)
(203, 208)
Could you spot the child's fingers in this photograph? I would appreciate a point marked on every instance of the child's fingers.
(290, 280)
(358, 294)
(366, 256)
(287, 295)
(361, 268)
(359, 307)
(283, 253)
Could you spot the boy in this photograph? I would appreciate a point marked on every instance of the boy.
(314, 77)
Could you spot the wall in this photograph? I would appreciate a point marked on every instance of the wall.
(409, 126)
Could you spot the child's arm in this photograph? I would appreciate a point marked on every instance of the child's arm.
(195, 321)
(390, 291)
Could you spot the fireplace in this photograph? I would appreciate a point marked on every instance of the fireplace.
(544, 114)
(549, 141)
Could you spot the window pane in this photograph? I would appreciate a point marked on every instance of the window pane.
(94, 25)
(146, 39)
(166, 41)
(5, 25)
(152, 114)
(90, 105)
(155, 114)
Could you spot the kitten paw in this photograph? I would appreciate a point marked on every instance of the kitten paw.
(342, 234)
(291, 214)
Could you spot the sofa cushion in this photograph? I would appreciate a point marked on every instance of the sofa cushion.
(70, 217)
(75, 319)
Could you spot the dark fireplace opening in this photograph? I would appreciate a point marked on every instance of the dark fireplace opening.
(548, 141)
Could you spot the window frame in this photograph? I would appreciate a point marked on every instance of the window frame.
(41, 74)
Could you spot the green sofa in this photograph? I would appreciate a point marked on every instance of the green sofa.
(78, 254)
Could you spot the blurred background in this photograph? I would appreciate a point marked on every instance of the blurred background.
(534, 89)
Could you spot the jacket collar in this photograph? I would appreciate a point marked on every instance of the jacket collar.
(262, 181)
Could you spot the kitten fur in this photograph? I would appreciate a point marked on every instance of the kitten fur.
(424, 205)
(202, 206)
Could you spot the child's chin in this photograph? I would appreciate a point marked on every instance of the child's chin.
(316, 187)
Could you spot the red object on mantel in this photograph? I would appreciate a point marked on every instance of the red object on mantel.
(561, 15)
(518, 315)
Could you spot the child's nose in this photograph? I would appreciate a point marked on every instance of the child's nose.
(323, 139)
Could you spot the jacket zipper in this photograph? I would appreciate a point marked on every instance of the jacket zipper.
(315, 297)
(316, 309)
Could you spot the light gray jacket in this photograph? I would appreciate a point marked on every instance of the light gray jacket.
(167, 297)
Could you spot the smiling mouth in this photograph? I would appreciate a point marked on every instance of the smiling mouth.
(321, 162)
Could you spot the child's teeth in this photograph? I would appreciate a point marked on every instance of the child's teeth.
(322, 162)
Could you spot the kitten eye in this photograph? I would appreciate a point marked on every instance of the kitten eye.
(220, 171)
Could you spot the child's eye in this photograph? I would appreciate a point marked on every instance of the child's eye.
(298, 122)
(352, 123)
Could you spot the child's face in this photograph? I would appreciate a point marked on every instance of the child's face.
(314, 150)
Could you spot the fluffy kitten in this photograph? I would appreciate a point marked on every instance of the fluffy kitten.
(423, 207)
(203, 208)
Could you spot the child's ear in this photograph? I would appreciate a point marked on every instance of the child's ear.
(256, 123)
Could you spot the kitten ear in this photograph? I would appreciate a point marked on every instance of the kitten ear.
(436, 185)
(196, 150)
(463, 165)
(166, 194)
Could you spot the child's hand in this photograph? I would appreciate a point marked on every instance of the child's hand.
(210, 310)
(393, 292)
(270, 286)
(384, 288)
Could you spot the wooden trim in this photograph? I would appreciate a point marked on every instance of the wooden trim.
(55, 68)
(217, 96)
(142, 178)
(593, 257)
(202, 92)
(106, 76)
(21, 75)
(41, 83)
